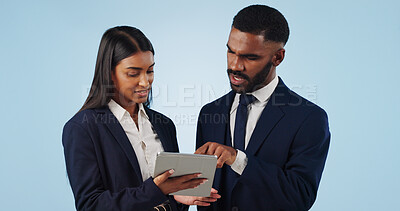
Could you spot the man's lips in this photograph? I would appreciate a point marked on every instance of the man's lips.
(236, 80)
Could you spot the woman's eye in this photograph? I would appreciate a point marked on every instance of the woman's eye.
(133, 75)
(150, 71)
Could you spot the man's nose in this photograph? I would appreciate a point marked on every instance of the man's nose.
(236, 63)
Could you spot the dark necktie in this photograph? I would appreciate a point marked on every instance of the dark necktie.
(241, 120)
(229, 176)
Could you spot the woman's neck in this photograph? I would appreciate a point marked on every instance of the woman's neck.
(131, 107)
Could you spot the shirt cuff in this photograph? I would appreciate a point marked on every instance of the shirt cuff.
(240, 162)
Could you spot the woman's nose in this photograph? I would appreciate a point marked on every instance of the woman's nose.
(144, 80)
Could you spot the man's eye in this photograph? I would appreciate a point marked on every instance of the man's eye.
(133, 75)
(252, 58)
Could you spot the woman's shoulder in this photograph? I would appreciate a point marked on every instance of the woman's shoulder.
(87, 116)
(158, 117)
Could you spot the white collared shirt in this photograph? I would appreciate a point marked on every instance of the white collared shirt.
(254, 112)
(144, 140)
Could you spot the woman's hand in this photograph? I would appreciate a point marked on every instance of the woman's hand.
(170, 185)
(200, 201)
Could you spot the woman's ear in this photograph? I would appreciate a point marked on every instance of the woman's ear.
(278, 57)
(113, 76)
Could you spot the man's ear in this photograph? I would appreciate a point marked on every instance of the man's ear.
(278, 57)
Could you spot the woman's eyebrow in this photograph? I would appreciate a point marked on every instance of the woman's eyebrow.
(139, 68)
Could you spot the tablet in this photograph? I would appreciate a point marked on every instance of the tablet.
(188, 164)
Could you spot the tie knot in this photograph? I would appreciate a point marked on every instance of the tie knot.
(246, 99)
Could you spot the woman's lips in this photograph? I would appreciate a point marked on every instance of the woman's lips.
(142, 93)
(236, 80)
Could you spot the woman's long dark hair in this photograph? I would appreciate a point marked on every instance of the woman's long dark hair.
(116, 44)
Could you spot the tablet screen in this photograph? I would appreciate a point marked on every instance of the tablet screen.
(188, 164)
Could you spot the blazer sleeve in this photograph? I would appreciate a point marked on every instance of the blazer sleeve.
(85, 178)
(293, 187)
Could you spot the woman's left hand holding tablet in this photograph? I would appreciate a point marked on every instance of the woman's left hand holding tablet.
(170, 185)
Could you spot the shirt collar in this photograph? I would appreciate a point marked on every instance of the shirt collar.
(119, 112)
(265, 93)
(262, 95)
(142, 111)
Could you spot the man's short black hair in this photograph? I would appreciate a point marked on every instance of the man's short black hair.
(262, 20)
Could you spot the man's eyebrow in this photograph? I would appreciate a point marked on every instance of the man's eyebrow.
(139, 68)
(250, 55)
(244, 55)
(229, 48)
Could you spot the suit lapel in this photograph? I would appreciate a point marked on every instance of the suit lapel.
(120, 136)
(157, 123)
(222, 123)
(220, 128)
(270, 116)
(268, 119)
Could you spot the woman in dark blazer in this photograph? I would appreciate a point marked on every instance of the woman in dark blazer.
(111, 143)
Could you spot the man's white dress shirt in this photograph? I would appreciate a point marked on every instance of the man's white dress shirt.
(254, 112)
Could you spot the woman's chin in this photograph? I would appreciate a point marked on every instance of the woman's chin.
(140, 99)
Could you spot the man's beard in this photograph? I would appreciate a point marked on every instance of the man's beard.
(253, 84)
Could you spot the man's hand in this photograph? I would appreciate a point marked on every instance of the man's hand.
(224, 153)
(200, 201)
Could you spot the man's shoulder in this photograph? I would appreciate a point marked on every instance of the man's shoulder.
(222, 102)
(301, 106)
(286, 98)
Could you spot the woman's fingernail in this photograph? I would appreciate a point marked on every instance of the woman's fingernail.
(199, 175)
(171, 171)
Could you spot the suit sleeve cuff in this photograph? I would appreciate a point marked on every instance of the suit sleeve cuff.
(153, 192)
(240, 162)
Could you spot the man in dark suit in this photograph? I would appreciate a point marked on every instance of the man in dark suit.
(271, 143)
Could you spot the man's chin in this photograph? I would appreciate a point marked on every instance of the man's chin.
(238, 89)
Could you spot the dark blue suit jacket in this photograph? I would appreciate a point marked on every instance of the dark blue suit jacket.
(102, 166)
(286, 153)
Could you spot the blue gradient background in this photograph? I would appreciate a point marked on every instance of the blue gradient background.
(343, 55)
